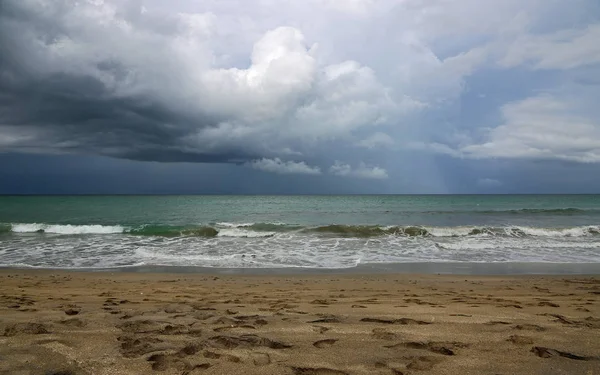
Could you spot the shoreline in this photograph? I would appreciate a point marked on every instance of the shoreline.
(417, 268)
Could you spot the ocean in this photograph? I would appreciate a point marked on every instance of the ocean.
(318, 232)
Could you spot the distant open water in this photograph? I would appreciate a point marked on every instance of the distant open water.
(90, 232)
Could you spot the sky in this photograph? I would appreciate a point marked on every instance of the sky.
(299, 96)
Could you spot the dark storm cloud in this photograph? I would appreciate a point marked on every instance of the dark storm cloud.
(112, 78)
(79, 113)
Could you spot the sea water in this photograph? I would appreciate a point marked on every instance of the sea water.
(91, 232)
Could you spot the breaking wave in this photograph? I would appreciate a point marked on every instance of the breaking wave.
(524, 211)
(263, 230)
(65, 229)
(172, 231)
(369, 230)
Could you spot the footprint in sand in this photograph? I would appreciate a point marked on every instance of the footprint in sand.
(229, 328)
(320, 329)
(543, 352)
(157, 327)
(496, 323)
(133, 347)
(244, 341)
(520, 340)
(232, 358)
(260, 359)
(253, 319)
(320, 302)
(324, 343)
(73, 322)
(317, 371)
(110, 302)
(162, 362)
(547, 303)
(444, 348)
(211, 355)
(394, 370)
(202, 315)
(382, 334)
(189, 349)
(178, 309)
(402, 321)
(529, 327)
(203, 308)
(72, 311)
(422, 363)
(226, 320)
(26, 328)
(416, 363)
(327, 319)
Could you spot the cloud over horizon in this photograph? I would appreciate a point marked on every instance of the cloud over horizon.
(361, 171)
(283, 167)
(373, 90)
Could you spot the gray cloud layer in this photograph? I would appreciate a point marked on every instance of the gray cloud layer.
(121, 81)
(325, 87)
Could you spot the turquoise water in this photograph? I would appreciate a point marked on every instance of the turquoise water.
(295, 231)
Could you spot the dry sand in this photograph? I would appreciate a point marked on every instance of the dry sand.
(138, 323)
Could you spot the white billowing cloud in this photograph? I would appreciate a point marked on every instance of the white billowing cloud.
(565, 49)
(349, 97)
(541, 127)
(282, 71)
(276, 165)
(308, 106)
(361, 171)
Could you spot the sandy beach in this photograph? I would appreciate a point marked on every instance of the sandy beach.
(140, 323)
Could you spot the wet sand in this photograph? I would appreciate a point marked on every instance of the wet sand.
(320, 324)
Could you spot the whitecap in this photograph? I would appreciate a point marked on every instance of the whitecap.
(66, 229)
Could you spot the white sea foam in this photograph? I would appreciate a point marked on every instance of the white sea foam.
(247, 230)
(513, 231)
(449, 231)
(563, 232)
(237, 232)
(233, 225)
(66, 229)
(243, 247)
(517, 245)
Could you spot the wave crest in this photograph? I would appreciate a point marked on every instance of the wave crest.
(66, 228)
(522, 211)
(369, 230)
(258, 230)
(173, 231)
